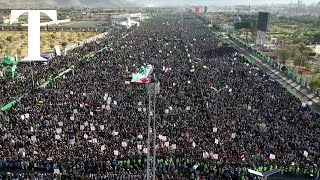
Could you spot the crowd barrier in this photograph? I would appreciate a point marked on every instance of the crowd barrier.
(162, 164)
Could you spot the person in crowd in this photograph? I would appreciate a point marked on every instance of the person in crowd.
(216, 115)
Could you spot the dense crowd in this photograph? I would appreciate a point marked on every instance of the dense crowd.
(216, 115)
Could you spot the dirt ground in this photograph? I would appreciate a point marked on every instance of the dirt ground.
(16, 42)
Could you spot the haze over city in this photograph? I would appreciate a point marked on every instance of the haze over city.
(141, 3)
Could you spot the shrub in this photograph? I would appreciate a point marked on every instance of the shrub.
(9, 38)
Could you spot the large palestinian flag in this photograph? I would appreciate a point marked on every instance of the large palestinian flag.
(143, 75)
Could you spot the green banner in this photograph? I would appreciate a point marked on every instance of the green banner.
(8, 106)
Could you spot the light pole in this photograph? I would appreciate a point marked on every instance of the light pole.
(152, 89)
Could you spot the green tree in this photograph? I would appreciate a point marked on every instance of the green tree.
(300, 60)
(283, 55)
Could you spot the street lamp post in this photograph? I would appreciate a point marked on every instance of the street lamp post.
(152, 89)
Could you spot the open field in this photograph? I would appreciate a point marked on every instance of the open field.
(16, 42)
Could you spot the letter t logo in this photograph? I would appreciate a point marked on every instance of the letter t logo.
(33, 30)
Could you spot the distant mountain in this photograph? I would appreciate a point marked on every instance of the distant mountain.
(64, 3)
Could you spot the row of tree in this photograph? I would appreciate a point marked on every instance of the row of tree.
(299, 53)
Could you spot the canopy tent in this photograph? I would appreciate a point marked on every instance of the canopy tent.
(10, 61)
(10, 71)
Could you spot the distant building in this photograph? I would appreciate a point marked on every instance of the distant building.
(317, 49)
(227, 28)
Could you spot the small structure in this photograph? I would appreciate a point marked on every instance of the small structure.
(264, 176)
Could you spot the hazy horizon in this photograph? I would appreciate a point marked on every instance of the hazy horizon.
(142, 3)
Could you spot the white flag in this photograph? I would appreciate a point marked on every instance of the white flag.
(166, 144)
(215, 129)
(94, 140)
(102, 127)
(103, 147)
(233, 135)
(174, 146)
(26, 115)
(33, 138)
(56, 171)
(93, 128)
(215, 156)
(116, 152)
(59, 130)
(124, 144)
(272, 156)
(305, 153)
(205, 155)
(57, 137)
(139, 146)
